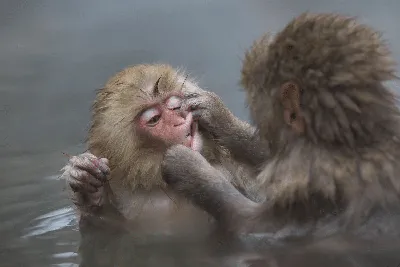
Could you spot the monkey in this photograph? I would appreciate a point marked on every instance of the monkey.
(136, 116)
(317, 95)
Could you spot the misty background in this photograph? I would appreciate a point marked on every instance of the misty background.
(55, 53)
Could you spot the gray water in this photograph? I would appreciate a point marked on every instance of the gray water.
(55, 53)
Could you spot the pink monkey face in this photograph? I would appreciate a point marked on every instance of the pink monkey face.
(167, 122)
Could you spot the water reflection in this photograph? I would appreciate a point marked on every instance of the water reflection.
(56, 53)
(108, 248)
(51, 221)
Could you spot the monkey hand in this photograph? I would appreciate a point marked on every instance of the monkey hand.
(209, 110)
(86, 175)
(180, 165)
(190, 175)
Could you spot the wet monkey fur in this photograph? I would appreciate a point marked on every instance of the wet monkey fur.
(138, 114)
(316, 93)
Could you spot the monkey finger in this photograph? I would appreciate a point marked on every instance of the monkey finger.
(93, 157)
(88, 155)
(186, 107)
(192, 105)
(93, 181)
(85, 177)
(188, 95)
(197, 114)
(103, 168)
(104, 161)
(82, 187)
(95, 160)
(103, 164)
(74, 187)
(88, 165)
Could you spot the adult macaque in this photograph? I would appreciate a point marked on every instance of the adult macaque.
(136, 117)
(316, 93)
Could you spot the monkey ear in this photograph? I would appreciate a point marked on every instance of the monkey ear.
(290, 99)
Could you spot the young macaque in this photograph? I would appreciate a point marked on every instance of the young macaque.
(136, 117)
(316, 93)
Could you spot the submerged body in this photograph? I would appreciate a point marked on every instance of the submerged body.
(137, 115)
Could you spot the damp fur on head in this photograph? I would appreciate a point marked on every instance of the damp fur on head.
(339, 64)
(347, 156)
(113, 135)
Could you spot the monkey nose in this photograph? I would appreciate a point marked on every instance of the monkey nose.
(178, 121)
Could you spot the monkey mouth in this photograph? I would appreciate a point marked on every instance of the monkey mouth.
(192, 130)
(191, 135)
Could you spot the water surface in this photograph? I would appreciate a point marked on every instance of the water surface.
(54, 55)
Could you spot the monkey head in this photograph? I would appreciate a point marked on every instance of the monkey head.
(137, 116)
(163, 120)
(320, 78)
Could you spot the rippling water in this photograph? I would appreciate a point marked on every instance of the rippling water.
(55, 53)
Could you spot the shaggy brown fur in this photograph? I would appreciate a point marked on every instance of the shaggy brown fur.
(349, 152)
(134, 158)
(346, 159)
(113, 134)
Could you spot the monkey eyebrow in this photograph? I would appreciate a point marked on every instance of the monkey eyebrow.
(184, 82)
(145, 93)
(156, 91)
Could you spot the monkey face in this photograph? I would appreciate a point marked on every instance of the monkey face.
(137, 116)
(166, 122)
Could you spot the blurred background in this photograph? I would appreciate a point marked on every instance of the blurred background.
(54, 55)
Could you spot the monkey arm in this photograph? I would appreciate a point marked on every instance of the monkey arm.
(190, 175)
(104, 215)
(98, 203)
(242, 140)
(86, 175)
(239, 137)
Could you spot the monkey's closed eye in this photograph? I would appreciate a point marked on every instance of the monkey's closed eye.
(174, 103)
